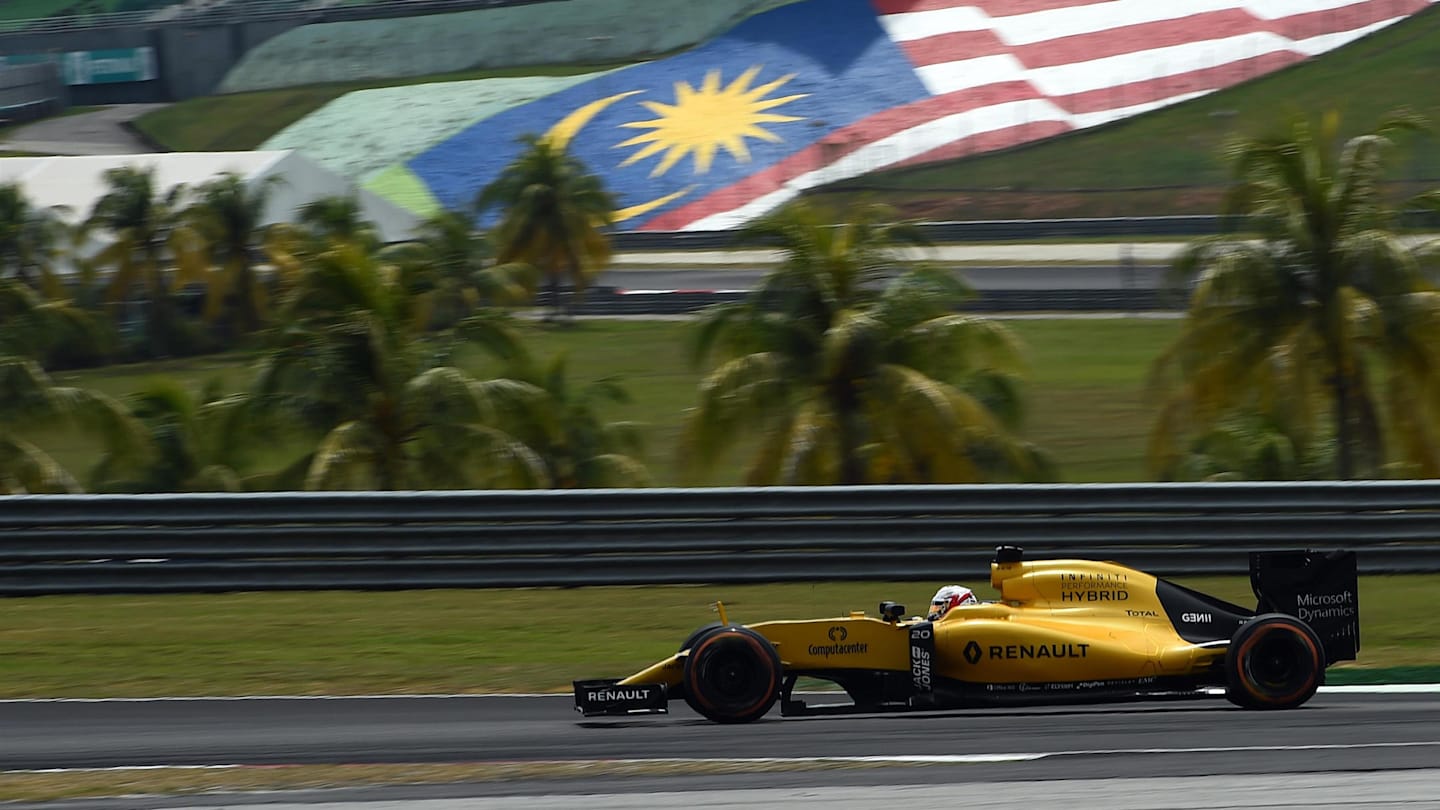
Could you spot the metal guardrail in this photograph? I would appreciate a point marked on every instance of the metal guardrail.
(243, 11)
(314, 541)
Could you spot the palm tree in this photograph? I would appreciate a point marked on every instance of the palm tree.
(198, 441)
(30, 401)
(1297, 324)
(449, 265)
(852, 371)
(564, 427)
(30, 238)
(1251, 446)
(349, 367)
(149, 238)
(339, 218)
(50, 332)
(553, 218)
(228, 214)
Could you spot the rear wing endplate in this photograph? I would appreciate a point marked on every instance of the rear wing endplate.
(1320, 588)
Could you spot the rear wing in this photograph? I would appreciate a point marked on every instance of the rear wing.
(1320, 588)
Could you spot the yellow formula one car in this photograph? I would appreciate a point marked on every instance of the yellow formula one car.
(1062, 630)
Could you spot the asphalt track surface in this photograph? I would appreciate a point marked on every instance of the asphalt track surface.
(1334, 732)
(1010, 277)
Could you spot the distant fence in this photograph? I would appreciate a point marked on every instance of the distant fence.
(28, 92)
(317, 541)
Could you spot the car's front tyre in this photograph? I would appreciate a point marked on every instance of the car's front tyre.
(732, 675)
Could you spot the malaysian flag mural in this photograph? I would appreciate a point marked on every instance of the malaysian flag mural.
(824, 90)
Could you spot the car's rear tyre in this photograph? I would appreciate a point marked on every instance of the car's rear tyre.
(1274, 661)
(732, 675)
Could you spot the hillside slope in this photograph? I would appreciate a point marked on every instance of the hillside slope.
(1168, 161)
(579, 32)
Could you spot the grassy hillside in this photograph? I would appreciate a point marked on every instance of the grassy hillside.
(1166, 162)
(1160, 163)
(243, 121)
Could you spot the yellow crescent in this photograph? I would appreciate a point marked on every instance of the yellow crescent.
(559, 135)
(645, 208)
(568, 127)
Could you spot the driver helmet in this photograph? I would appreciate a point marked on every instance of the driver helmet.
(948, 597)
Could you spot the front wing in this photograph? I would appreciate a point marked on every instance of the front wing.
(607, 697)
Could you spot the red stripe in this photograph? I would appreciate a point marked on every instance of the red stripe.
(1317, 23)
(954, 46)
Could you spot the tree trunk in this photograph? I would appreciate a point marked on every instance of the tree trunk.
(852, 467)
(246, 311)
(161, 323)
(1340, 390)
(556, 308)
(572, 300)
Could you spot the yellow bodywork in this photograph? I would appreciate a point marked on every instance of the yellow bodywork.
(1056, 621)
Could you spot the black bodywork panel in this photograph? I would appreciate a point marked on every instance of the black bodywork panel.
(1320, 588)
(1198, 617)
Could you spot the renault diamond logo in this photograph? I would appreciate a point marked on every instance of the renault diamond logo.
(838, 633)
(972, 653)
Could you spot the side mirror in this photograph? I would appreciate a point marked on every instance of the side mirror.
(891, 612)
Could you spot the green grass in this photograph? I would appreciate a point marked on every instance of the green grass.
(243, 121)
(478, 641)
(1084, 388)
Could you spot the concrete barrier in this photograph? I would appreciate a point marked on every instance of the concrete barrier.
(28, 92)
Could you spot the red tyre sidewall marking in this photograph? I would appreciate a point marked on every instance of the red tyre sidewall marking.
(754, 644)
(1255, 639)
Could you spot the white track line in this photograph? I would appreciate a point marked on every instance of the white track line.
(1356, 689)
(914, 759)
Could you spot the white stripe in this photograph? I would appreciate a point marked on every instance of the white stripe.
(1385, 689)
(923, 24)
(1314, 46)
(1042, 26)
(948, 77)
(1095, 119)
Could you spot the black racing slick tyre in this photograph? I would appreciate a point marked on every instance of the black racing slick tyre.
(732, 675)
(697, 635)
(1274, 661)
